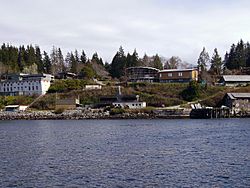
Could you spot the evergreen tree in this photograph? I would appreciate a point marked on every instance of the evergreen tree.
(248, 54)
(39, 60)
(145, 60)
(47, 63)
(21, 61)
(61, 65)
(203, 60)
(83, 57)
(30, 56)
(73, 65)
(157, 62)
(118, 65)
(238, 56)
(216, 63)
(95, 58)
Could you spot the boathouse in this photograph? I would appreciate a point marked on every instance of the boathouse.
(238, 102)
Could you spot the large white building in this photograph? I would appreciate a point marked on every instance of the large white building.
(24, 84)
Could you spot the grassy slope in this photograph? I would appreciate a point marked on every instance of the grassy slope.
(155, 94)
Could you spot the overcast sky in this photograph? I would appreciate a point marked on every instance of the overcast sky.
(167, 27)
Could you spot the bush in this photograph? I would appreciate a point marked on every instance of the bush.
(60, 86)
(115, 111)
(59, 111)
(192, 92)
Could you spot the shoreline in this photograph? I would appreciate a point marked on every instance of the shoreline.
(79, 115)
(74, 115)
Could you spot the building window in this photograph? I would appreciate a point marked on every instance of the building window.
(36, 87)
(180, 74)
(170, 74)
(160, 75)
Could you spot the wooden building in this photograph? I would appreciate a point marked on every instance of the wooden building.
(238, 102)
(178, 75)
(67, 104)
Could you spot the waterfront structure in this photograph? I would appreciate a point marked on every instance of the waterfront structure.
(142, 74)
(238, 102)
(235, 80)
(178, 75)
(25, 84)
(67, 104)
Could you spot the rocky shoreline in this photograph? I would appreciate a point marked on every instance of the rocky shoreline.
(79, 115)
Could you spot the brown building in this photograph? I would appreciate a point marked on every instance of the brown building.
(67, 104)
(178, 75)
(238, 102)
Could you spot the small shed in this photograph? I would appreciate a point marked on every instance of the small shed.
(93, 87)
(15, 108)
(67, 104)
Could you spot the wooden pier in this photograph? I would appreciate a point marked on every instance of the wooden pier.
(207, 113)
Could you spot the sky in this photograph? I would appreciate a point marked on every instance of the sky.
(166, 27)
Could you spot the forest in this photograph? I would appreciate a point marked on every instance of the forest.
(31, 59)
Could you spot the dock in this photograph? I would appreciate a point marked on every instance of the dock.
(210, 113)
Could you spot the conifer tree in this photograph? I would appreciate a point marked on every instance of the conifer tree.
(156, 63)
(39, 60)
(216, 63)
(118, 65)
(47, 63)
(83, 57)
(73, 65)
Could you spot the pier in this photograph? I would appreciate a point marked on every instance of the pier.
(210, 113)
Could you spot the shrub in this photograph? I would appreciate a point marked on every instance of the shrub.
(59, 111)
(115, 111)
(192, 92)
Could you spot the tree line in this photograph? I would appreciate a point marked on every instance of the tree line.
(236, 59)
(31, 59)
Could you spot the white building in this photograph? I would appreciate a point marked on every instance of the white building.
(24, 84)
(15, 108)
(130, 105)
(93, 87)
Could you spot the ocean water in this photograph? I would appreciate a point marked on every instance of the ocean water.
(125, 153)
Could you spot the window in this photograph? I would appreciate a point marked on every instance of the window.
(160, 75)
(170, 74)
(36, 87)
(180, 74)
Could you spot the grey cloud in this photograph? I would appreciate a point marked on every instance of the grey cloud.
(167, 27)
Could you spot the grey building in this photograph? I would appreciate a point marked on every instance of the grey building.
(238, 102)
(235, 80)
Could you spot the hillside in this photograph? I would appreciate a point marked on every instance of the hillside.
(155, 94)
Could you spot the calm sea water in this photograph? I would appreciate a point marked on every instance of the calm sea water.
(125, 153)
